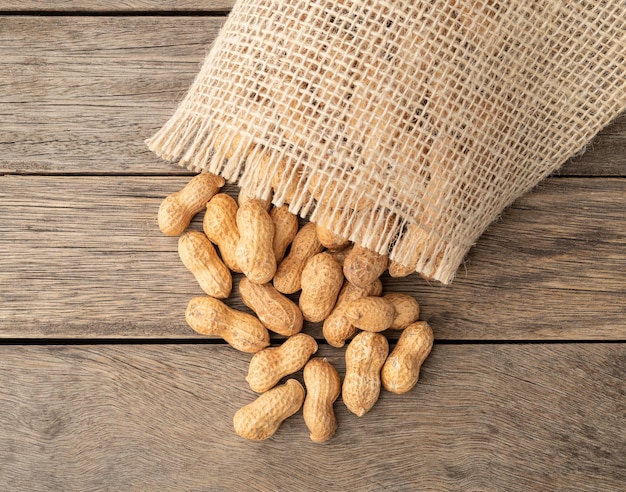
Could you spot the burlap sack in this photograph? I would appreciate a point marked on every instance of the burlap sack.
(405, 125)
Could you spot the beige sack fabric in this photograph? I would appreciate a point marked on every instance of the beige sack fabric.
(405, 125)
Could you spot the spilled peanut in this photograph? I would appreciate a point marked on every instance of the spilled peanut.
(198, 255)
(323, 387)
(220, 226)
(401, 370)
(273, 309)
(322, 279)
(285, 229)
(255, 250)
(340, 286)
(399, 270)
(331, 240)
(262, 418)
(305, 244)
(365, 357)
(407, 309)
(242, 331)
(371, 313)
(245, 196)
(270, 365)
(177, 209)
(362, 266)
(337, 327)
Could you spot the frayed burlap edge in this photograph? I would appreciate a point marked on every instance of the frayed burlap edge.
(201, 146)
(208, 131)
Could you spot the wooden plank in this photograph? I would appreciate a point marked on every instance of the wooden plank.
(152, 417)
(125, 6)
(82, 256)
(605, 155)
(81, 94)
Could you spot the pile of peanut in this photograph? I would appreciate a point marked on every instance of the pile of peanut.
(339, 284)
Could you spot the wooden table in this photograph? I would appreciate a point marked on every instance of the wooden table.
(104, 387)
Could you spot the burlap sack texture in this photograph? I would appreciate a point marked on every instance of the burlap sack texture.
(405, 125)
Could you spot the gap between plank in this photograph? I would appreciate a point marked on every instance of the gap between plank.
(115, 13)
(321, 342)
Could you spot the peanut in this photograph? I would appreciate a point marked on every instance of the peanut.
(230, 143)
(220, 226)
(285, 182)
(177, 210)
(289, 273)
(325, 188)
(285, 229)
(407, 309)
(200, 258)
(208, 316)
(323, 388)
(371, 313)
(399, 270)
(270, 365)
(331, 240)
(322, 279)
(362, 266)
(246, 195)
(365, 356)
(341, 254)
(275, 311)
(255, 252)
(401, 370)
(337, 328)
(261, 418)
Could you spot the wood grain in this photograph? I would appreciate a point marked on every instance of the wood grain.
(150, 417)
(125, 6)
(81, 94)
(82, 256)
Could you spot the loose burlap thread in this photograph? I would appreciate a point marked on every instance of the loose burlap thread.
(406, 126)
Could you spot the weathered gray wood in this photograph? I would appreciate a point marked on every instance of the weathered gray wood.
(81, 94)
(70, 6)
(150, 417)
(82, 256)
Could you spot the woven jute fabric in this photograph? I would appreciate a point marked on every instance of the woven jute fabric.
(406, 126)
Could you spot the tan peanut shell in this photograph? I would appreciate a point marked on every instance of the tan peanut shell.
(365, 356)
(270, 365)
(177, 210)
(362, 266)
(285, 229)
(208, 316)
(255, 251)
(331, 240)
(262, 418)
(323, 387)
(337, 328)
(322, 279)
(407, 309)
(199, 256)
(220, 226)
(289, 273)
(341, 254)
(285, 181)
(245, 196)
(401, 370)
(276, 312)
(399, 270)
(230, 143)
(371, 313)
